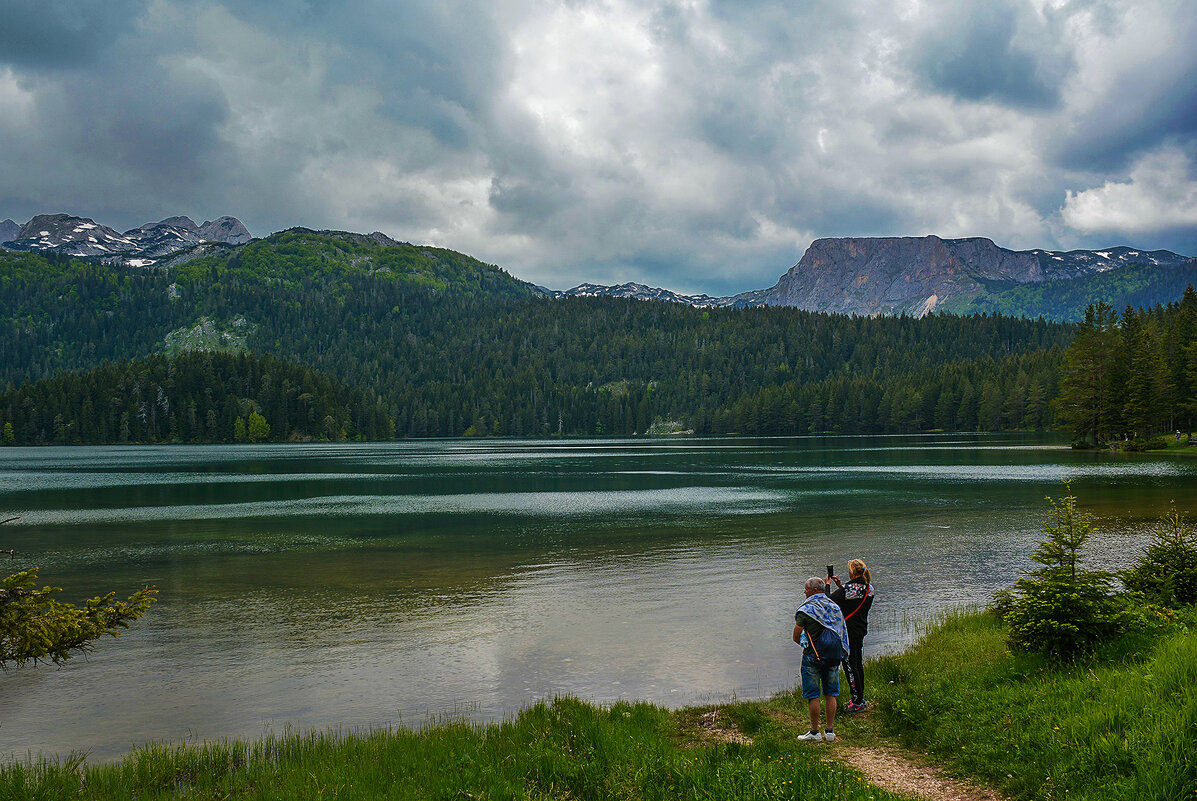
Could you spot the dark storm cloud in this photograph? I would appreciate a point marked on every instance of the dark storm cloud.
(163, 129)
(996, 51)
(56, 33)
(696, 145)
(435, 66)
(110, 132)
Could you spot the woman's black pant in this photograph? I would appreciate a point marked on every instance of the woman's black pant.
(854, 666)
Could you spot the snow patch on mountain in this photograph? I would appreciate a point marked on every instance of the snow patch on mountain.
(643, 292)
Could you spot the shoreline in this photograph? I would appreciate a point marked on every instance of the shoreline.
(742, 749)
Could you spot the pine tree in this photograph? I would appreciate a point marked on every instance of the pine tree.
(1087, 385)
(1060, 609)
(1167, 572)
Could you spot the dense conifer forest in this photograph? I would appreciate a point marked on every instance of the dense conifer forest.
(1134, 376)
(450, 346)
(193, 397)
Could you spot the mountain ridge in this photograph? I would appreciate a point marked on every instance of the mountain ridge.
(849, 275)
(82, 237)
(906, 275)
(917, 275)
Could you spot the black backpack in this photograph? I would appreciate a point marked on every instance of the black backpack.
(828, 648)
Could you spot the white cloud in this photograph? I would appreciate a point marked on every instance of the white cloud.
(1160, 195)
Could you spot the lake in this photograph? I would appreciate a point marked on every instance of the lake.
(391, 584)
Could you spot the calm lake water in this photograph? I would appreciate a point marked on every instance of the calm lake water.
(360, 585)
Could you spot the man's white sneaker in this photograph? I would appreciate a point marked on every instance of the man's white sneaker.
(829, 736)
(810, 736)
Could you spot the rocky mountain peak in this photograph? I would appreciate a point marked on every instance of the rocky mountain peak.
(225, 229)
(155, 240)
(8, 230)
(179, 222)
(70, 235)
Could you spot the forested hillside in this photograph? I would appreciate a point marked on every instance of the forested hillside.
(194, 397)
(1133, 285)
(451, 346)
(1132, 377)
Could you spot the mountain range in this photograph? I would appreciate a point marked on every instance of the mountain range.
(849, 275)
(82, 237)
(918, 275)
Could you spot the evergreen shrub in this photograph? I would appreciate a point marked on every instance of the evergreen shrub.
(1167, 572)
(1061, 610)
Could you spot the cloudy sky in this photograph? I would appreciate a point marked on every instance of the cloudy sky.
(698, 145)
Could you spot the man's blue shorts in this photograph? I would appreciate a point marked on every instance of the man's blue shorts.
(813, 674)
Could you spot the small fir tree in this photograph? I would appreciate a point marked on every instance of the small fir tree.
(1060, 609)
(1167, 572)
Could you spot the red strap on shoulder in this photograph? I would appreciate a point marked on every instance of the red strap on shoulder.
(859, 605)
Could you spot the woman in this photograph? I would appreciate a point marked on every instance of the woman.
(854, 600)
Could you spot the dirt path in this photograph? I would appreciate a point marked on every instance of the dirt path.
(894, 771)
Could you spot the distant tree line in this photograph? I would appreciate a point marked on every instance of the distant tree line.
(1134, 376)
(195, 397)
(448, 346)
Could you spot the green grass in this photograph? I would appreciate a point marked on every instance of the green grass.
(1120, 725)
(565, 749)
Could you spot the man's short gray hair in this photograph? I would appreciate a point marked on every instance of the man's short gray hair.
(816, 584)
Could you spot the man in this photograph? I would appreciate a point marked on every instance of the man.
(818, 612)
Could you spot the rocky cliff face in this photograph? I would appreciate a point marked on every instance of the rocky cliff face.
(916, 275)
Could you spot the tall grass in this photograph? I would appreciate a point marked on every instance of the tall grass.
(1120, 725)
(565, 749)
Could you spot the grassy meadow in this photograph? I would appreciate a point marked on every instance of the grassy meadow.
(1121, 724)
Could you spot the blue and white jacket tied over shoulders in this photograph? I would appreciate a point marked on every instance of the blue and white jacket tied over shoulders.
(828, 614)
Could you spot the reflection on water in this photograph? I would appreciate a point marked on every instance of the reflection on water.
(353, 585)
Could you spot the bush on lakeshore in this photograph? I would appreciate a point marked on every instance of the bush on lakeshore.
(1167, 572)
(1140, 445)
(1061, 610)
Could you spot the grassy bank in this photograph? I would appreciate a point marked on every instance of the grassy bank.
(562, 750)
(1121, 725)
